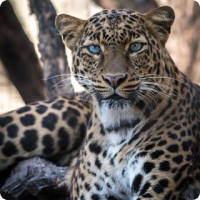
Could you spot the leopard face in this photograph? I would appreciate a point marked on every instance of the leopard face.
(118, 54)
(143, 137)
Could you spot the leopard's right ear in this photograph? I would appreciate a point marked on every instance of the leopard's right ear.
(70, 28)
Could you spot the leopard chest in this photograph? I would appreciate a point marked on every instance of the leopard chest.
(124, 164)
(113, 171)
(120, 162)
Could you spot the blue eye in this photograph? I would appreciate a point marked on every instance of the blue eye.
(95, 49)
(136, 46)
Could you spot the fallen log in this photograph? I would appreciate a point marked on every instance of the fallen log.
(36, 179)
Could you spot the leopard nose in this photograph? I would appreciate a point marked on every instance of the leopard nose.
(114, 81)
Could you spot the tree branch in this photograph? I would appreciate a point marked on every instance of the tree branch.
(51, 47)
(19, 57)
(36, 179)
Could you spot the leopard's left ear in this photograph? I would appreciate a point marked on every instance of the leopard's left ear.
(70, 28)
(159, 21)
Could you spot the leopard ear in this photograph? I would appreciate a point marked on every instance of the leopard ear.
(159, 21)
(70, 28)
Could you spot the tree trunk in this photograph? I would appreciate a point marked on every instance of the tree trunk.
(51, 48)
(18, 56)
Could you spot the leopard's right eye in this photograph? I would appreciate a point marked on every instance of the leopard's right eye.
(136, 46)
(94, 49)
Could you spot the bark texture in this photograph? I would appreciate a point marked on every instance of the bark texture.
(51, 48)
(36, 179)
(19, 57)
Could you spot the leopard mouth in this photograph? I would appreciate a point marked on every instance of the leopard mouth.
(115, 97)
(115, 101)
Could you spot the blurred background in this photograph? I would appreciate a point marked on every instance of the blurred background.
(31, 50)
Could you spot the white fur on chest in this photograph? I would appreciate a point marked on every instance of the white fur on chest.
(115, 120)
(118, 136)
(112, 117)
(132, 166)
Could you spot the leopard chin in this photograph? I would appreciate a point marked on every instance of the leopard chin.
(116, 104)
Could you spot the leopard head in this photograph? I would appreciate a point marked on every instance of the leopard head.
(119, 55)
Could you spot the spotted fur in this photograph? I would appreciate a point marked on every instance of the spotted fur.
(53, 129)
(142, 139)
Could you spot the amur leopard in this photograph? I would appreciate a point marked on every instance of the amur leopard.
(142, 139)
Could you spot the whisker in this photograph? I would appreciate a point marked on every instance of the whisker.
(59, 83)
(45, 79)
(151, 95)
(156, 91)
(85, 82)
(161, 86)
(61, 75)
(143, 98)
(86, 95)
(65, 86)
(150, 76)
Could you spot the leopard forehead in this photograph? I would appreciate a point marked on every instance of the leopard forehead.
(111, 26)
(114, 18)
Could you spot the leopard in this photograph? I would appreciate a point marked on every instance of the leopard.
(52, 129)
(136, 136)
(142, 140)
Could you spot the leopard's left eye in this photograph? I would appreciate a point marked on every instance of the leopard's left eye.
(94, 49)
(136, 46)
